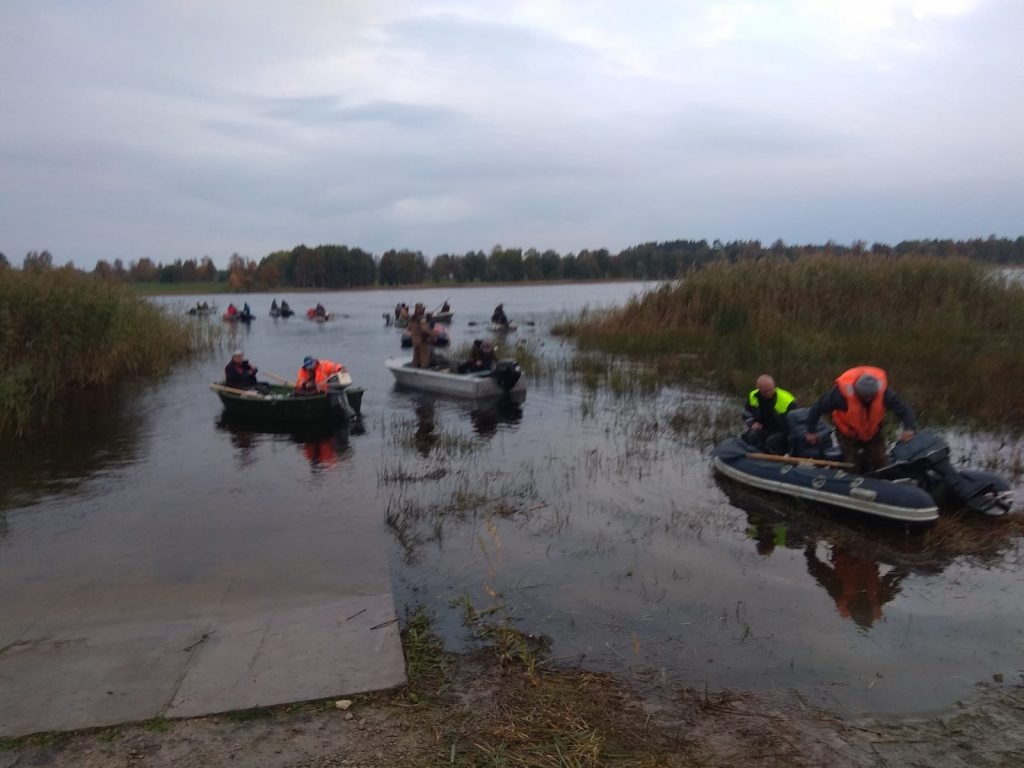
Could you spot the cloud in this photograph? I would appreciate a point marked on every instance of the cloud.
(433, 210)
(176, 128)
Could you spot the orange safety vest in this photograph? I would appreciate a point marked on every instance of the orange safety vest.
(324, 369)
(857, 421)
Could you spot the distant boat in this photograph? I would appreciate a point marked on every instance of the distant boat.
(319, 317)
(444, 317)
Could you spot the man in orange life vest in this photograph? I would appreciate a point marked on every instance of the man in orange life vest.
(857, 404)
(312, 376)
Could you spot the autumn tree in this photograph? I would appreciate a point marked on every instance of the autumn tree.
(143, 271)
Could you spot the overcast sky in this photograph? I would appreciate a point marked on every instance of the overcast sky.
(184, 128)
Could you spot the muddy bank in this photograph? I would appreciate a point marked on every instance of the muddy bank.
(485, 713)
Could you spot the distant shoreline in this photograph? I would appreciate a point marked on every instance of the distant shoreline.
(203, 289)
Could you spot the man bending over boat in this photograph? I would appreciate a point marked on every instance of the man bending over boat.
(765, 415)
(238, 373)
(857, 404)
(312, 376)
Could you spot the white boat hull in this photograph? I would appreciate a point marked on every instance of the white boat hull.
(467, 385)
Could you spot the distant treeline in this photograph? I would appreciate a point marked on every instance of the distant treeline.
(338, 266)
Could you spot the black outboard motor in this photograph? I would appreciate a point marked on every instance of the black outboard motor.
(507, 373)
(926, 455)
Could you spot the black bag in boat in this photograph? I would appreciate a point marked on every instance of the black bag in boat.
(796, 426)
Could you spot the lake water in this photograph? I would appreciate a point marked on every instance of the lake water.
(577, 515)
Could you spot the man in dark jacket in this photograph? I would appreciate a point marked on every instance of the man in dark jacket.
(238, 373)
(481, 358)
(857, 404)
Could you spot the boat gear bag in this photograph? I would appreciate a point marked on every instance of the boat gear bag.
(796, 425)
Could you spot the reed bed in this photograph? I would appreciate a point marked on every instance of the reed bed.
(62, 331)
(946, 330)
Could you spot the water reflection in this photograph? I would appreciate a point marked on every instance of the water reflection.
(96, 431)
(425, 437)
(323, 445)
(859, 564)
(487, 418)
(857, 585)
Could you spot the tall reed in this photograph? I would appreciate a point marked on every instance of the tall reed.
(62, 330)
(948, 331)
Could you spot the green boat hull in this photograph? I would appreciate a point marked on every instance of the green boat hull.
(282, 406)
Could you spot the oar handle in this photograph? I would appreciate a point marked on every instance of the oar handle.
(800, 460)
(234, 391)
(279, 378)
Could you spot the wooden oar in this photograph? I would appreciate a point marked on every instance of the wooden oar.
(278, 378)
(799, 460)
(233, 391)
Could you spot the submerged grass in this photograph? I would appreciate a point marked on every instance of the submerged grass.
(61, 331)
(947, 331)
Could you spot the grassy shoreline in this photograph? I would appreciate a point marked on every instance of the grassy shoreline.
(62, 331)
(946, 330)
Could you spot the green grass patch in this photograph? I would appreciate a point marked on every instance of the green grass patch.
(426, 664)
(158, 724)
(47, 739)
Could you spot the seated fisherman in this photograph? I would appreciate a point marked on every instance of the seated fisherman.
(765, 415)
(238, 373)
(481, 358)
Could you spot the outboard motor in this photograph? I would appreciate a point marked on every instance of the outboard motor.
(927, 454)
(507, 373)
(338, 401)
